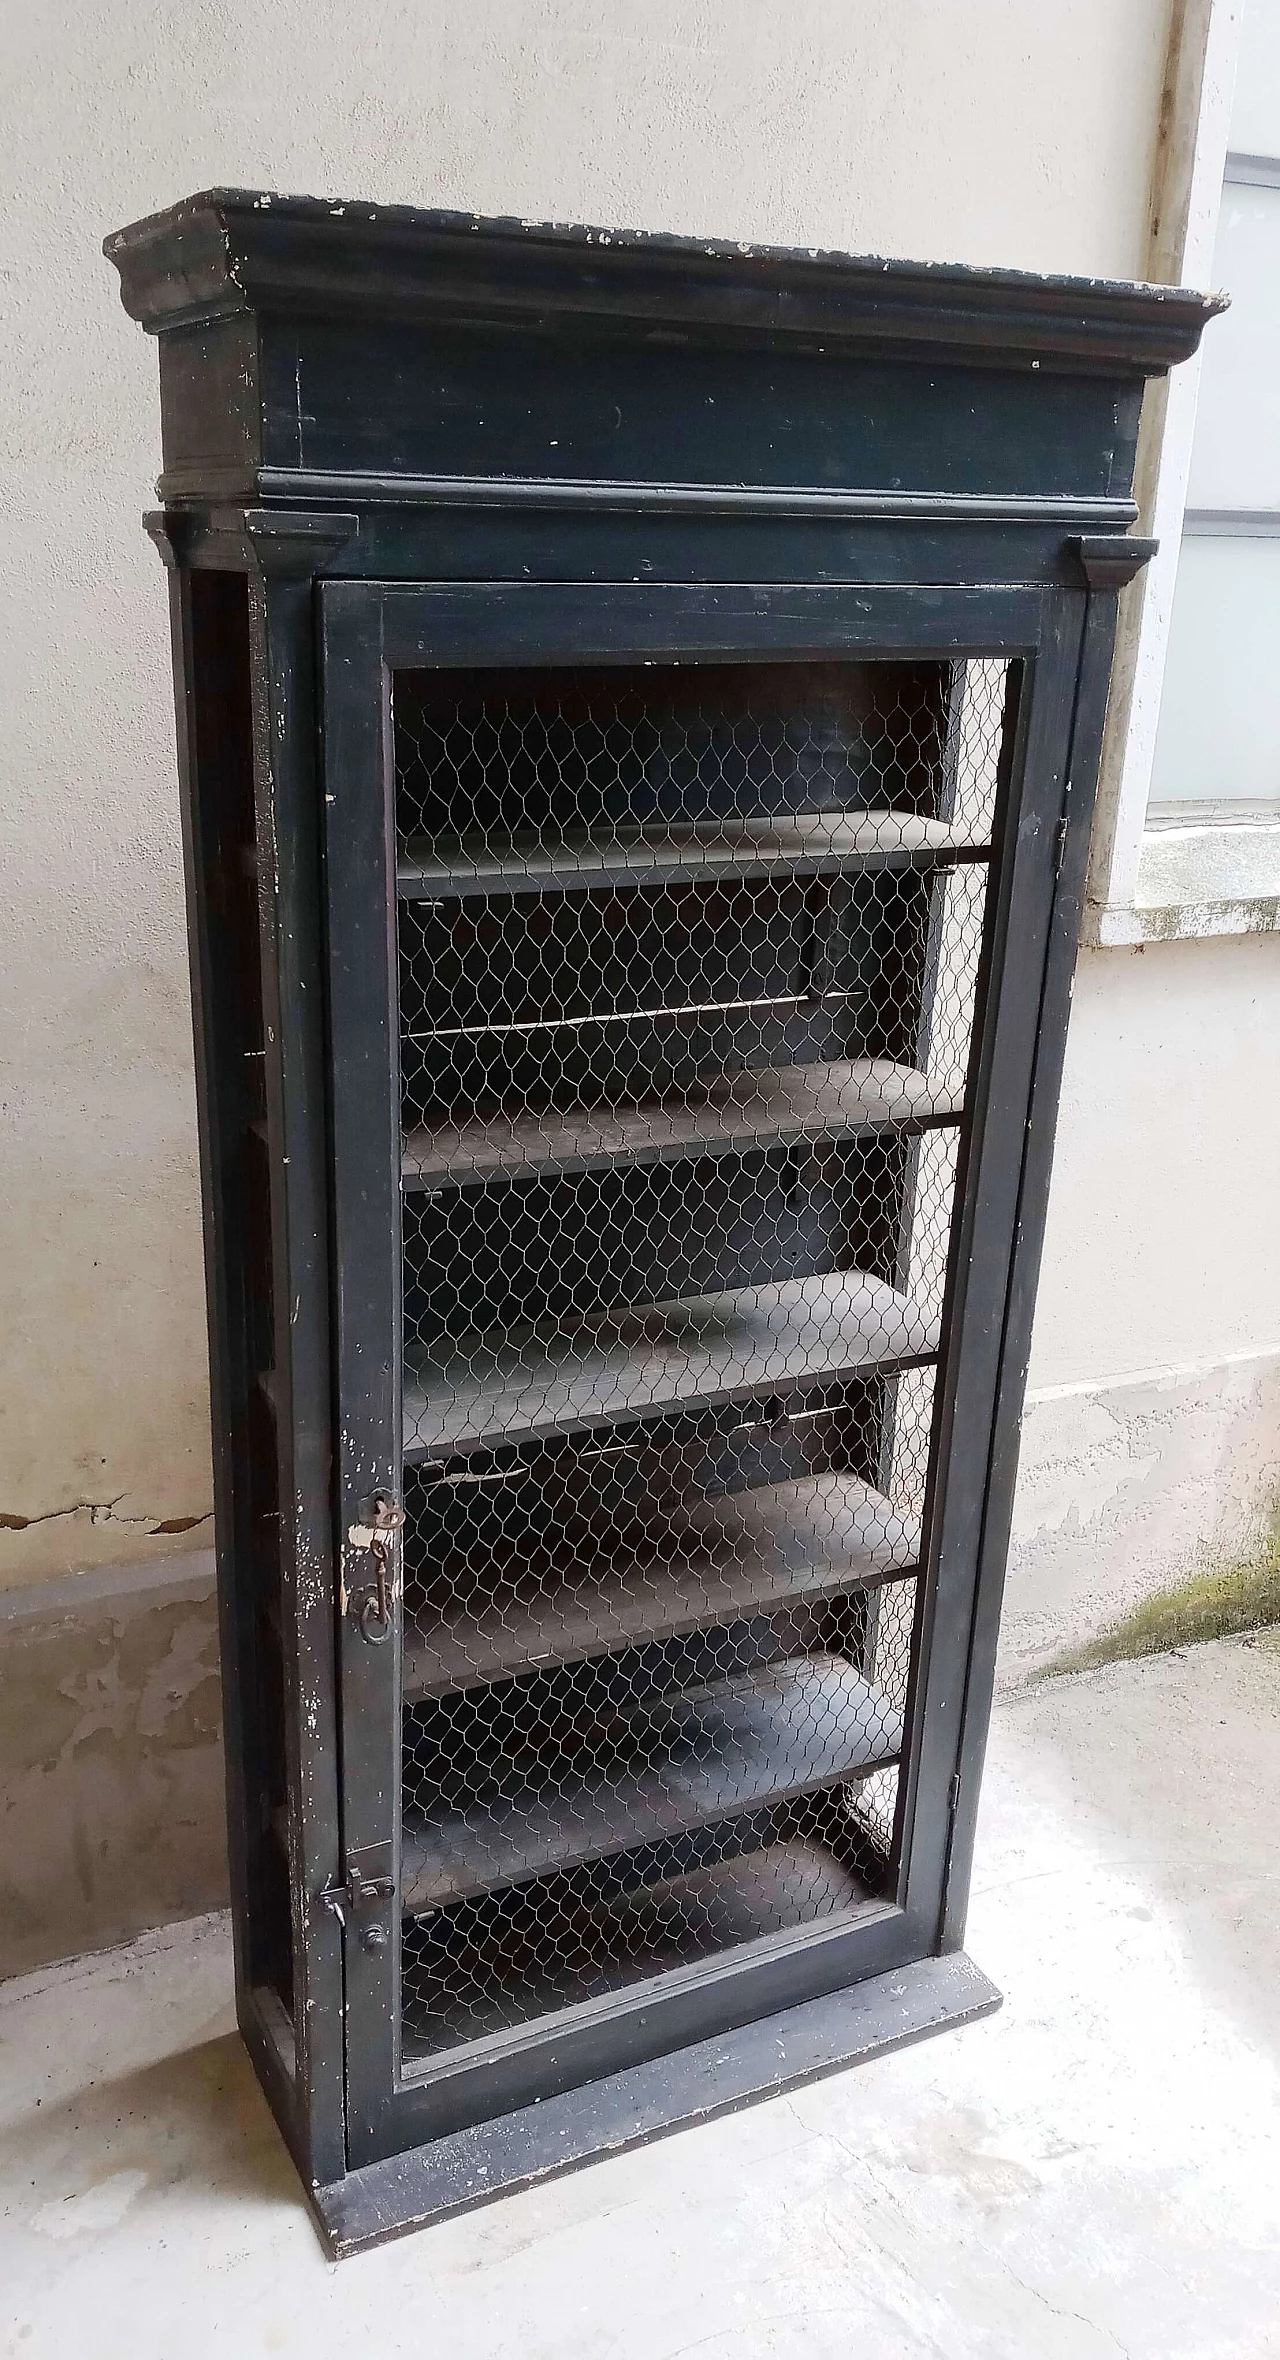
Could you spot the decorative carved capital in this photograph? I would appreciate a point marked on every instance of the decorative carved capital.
(297, 541)
(1109, 560)
(168, 528)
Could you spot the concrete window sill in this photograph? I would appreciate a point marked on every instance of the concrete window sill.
(1204, 869)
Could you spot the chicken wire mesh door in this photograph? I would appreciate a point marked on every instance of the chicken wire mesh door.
(671, 1037)
(673, 973)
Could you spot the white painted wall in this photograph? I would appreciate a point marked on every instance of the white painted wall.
(1163, 1240)
(1151, 1441)
(1009, 131)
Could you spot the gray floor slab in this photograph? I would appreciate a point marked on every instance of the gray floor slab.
(1093, 2172)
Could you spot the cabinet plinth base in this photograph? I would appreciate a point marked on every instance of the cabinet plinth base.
(676, 2092)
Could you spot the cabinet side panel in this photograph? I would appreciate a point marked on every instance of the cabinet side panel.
(296, 1095)
(238, 1222)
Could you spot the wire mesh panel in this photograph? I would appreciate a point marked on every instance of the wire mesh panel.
(688, 963)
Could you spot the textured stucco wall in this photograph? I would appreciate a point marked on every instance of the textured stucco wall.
(1163, 1239)
(1014, 131)
(111, 1780)
(1151, 1440)
(1126, 1487)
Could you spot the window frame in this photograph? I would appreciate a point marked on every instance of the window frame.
(1159, 872)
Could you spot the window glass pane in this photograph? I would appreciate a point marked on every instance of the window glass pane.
(1220, 711)
(1236, 459)
(1255, 115)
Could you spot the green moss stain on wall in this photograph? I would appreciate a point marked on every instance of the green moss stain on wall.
(1216, 1601)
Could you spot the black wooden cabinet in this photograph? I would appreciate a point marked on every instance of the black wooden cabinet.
(639, 705)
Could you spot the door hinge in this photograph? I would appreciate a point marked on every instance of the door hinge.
(953, 1795)
(1059, 845)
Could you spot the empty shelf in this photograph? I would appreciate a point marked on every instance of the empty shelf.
(741, 1110)
(739, 1900)
(478, 1983)
(732, 1556)
(663, 1356)
(708, 850)
(782, 1731)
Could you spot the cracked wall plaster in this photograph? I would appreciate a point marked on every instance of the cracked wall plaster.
(105, 1512)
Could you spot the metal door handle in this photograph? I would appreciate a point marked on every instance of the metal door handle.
(381, 1519)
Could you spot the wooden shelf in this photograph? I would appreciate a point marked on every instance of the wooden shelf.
(743, 1110)
(739, 1900)
(707, 851)
(780, 1732)
(488, 1389)
(819, 1535)
(621, 1938)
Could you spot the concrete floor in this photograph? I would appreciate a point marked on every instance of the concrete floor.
(1094, 2172)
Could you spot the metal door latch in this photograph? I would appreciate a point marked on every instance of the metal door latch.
(380, 1520)
(352, 1895)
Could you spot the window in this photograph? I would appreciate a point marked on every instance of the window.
(1218, 740)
